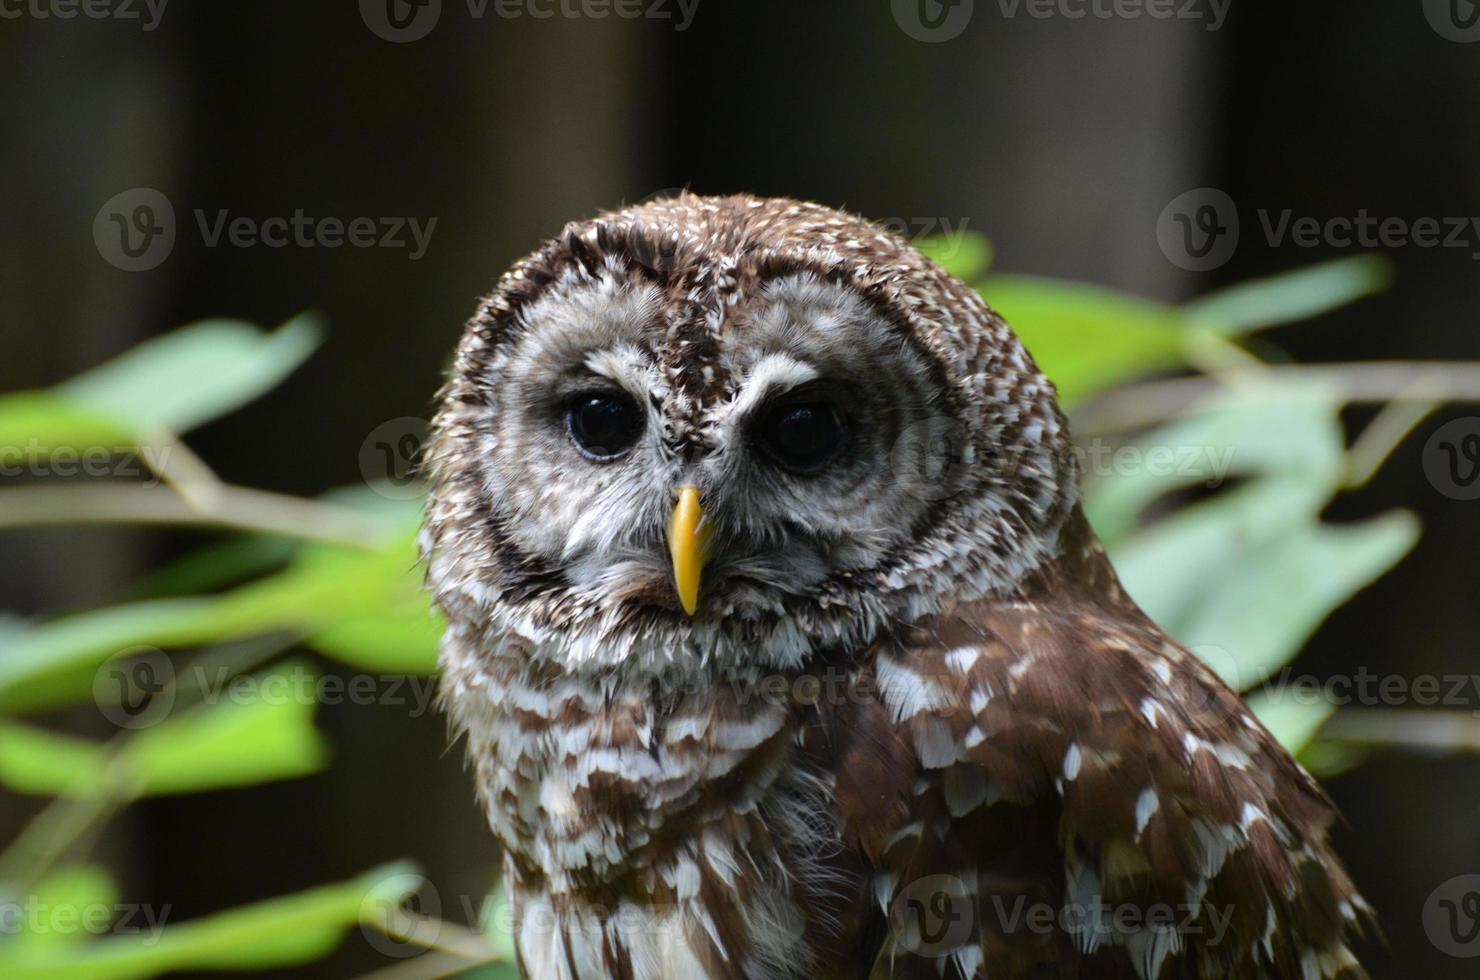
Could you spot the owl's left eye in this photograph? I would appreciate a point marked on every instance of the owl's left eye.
(603, 425)
(803, 437)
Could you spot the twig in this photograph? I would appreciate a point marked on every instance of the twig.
(1151, 402)
(1447, 731)
(230, 507)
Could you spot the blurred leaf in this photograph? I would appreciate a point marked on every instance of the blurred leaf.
(268, 935)
(1294, 723)
(213, 567)
(34, 423)
(498, 925)
(67, 906)
(1326, 759)
(1289, 428)
(490, 971)
(192, 375)
(967, 255)
(1253, 572)
(261, 730)
(324, 588)
(405, 643)
(1292, 296)
(1087, 338)
(42, 763)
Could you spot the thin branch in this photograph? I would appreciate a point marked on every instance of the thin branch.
(427, 966)
(1431, 729)
(229, 507)
(1152, 402)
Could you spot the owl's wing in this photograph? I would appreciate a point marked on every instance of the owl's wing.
(1062, 791)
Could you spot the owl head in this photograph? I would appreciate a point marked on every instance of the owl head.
(734, 429)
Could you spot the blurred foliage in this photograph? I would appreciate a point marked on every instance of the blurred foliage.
(1230, 525)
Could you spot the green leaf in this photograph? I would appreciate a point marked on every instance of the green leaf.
(69, 905)
(404, 643)
(1203, 572)
(1088, 338)
(259, 729)
(323, 589)
(34, 423)
(1292, 296)
(1291, 428)
(216, 566)
(42, 763)
(1295, 723)
(967, 255)
(498, 925)
(270, 935)
(192, 375)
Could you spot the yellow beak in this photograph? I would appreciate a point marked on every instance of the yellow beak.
(688, 544)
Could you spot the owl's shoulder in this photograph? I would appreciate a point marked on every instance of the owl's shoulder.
(1095, 796)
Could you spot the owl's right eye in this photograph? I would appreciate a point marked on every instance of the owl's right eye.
(603, 425)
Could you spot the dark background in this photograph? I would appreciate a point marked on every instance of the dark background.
(1060, 139)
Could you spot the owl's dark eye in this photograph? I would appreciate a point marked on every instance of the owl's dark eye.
(802, 436)
(603, 426)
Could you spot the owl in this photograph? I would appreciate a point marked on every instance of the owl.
(782, 648)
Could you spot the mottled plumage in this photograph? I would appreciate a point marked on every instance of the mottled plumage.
(914, 726)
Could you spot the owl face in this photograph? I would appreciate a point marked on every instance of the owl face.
(710, 425)
(789, 456)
